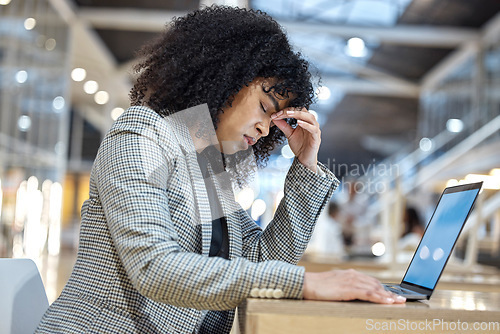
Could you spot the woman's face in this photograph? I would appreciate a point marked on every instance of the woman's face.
(249, 117)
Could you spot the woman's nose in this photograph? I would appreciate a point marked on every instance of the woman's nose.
(263, 127)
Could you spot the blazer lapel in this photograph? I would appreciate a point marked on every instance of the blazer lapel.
(204, 217)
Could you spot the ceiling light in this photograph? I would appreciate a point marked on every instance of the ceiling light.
(116, 112)
(24, 123)
(323, 93)
(232, 3)
(78, 74)
(355, 47)
(4, 2)
(454, 125)
(287, 152)
(489, 182)
(29, 23)
(314, 113)
(258, 208)
(50, 44)
(452, 183)
(101, 97)
(90, 87)
(21, 76)
(60, 148)
(58, 103)
(378, 249)
(425, 144)
(32, 184)
(245, 198)
(278, 197)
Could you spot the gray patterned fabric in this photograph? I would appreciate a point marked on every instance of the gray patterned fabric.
(142, 263)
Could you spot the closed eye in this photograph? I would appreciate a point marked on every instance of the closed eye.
(263, 109)
(271, 124)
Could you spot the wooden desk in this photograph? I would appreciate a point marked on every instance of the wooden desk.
(446, 312)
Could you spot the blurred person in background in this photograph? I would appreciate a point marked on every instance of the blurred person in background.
(355, 230)
(327, 237)
(413, 229)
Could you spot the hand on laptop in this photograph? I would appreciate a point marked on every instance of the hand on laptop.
(343, 285)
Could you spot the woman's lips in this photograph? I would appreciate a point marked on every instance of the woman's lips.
(250, 140)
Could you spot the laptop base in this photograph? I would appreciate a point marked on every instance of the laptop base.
(408, 294)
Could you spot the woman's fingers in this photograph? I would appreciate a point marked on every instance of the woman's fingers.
(347, 285)
(304, 140)
(284, 127)
(308, 127)
(382, 298)
(305, 120)
(298, 114)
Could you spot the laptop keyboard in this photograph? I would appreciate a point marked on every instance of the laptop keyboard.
(398, 290)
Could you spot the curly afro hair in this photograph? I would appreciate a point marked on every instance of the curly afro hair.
(208, 55)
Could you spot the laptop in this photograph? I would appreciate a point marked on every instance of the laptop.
(440, 236)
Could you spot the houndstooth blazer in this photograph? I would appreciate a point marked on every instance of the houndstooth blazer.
(142, 263)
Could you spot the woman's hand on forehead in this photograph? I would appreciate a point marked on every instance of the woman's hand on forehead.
(305, 139)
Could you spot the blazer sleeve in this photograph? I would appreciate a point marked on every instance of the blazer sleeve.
(286, 237)
(130, 170)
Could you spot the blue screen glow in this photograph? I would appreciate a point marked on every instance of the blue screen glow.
(439, 238)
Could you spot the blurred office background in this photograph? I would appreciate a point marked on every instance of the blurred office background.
(408, 103)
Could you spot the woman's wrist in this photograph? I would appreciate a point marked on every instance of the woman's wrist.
(312, 165)
(307, 287)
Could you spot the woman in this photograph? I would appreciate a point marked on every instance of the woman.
(163, 247)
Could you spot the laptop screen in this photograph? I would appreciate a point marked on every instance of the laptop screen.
(440, 236)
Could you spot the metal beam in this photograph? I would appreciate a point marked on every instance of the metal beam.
(65, 9)
(364, 87)
(386, 81)
(491, 31)
(448, 65)
(128, 19)
(234, 3)
(489, 35)
(90, 52)
(145, 20)
(153, 20)
(465, 146)
(412, 35)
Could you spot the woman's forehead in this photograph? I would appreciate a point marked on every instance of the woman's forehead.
(283, 98)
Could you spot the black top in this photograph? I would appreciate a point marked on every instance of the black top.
(219, 245)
